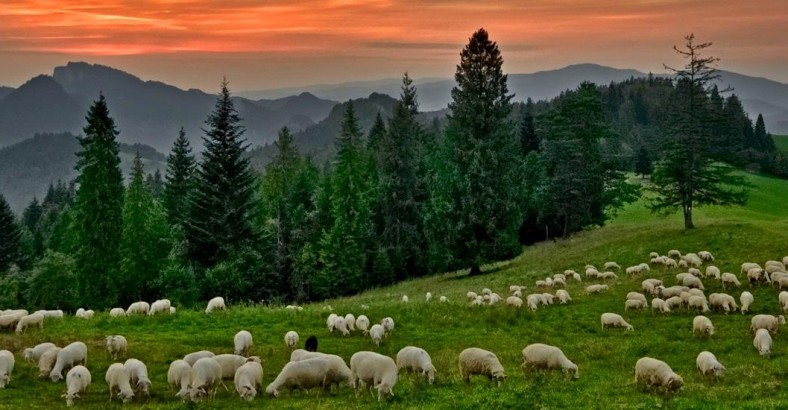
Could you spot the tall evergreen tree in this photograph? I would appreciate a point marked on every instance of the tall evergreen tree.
(155, 184)
(529, 141)
(10, 236)
(762, 138)
(643, 165)
(223, 205)
(179, 180)
(482, 174)
(99, 206)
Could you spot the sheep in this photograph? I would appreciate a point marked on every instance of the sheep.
(763, 342)
(783, 298)
(548, 357)
(34, 354)
(411, 358)
(540, 284)
(350, 322)
(563, 296)
(559, 282)
(656, 373)
(667, 293)
(693, 282)
(471, 296)
(671, 263)
(653, 255)
(206, 376)
(612, 265)
(569, 272)
(388, 324)
(443, 299)
(694, 271)
(723, 301)
(576, 277)
(486, 291)
(84, 314)
(172, 310)
(785, 260)
(702, 325)
(179, 376)
(405, 299)
(659, 305)
(243, 342)
(674, 253)
(47, 362)
(478, 302)
(376, 333)
(782, 282)
(608, 275)
(291, 338)
(118, 378)
(51, 314)
(138, 374)
(692, 260)
(636, 296)
(589, 267)
(303, 374)
(698, 302)
(533, 302)
(514, 288)
(696, 292)
(776, 264)
(294, 307)
(776, 278)
(117, 312)
(633, 270)
(71, 355)
(7, 362)
(338, 372)
(229, 363)
(518, 293)
(362, 324)
(116, 345)
(341, 325)
(475, 361)
(248, 379)
(635, 304)
(215, 303)
(428, 297)
(77, 381)
(596, 289)
(591, 272)
(680, 277)
(30, 320)
(138, 308)
(747, 266)
(746, 300)
(556, 276)
(330, 322)
(706, 256)
(757, 276)
(547, 299)
(713, 271)
(649, 285)
(768, 322)
(549, 282)
(730, 279)
(614, 320)
(708, 365)
(685, 296)
(160, 306)
(514, 301)
(192, 358)
(674, 302)
(495, 298)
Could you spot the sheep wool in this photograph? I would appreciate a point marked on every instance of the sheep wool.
(179, 377)
(709, 366)
(242, 342)
(303, 374)
(374, 370)
(291, 339)
(416, 359)
(656, 373)
(475, 361)
(248, 380)
(119, 382)
(7, 362)
(544, 356)
(77, 381)
(206, 377)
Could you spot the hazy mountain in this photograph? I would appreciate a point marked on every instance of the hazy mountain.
(303, 105)
(761, 95)
(5, 91)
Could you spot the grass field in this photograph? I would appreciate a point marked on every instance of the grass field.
(782, 142)
(606, 359)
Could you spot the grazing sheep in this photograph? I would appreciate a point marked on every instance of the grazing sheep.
(84, 314)
(653, 255)
(769, 322)
(34, 354)
(362, 324)
(47, 362)
(649, 285)
(533, 302)
(635, 304)
(702, 325)
(350, 322)
(7, 362)
(783, 298)
(229, 363)
(614, 320)
(518, 293)
(486, 291)
(206, 377)
(730, 279)
(388, 324)
(746, 300)
(540, 284)
(671, 263)
(192, 358)
(682, 264)
(69, 356)
(544, 356)
(633, 270)
(699, 303)
(608, 275)
(785, 260)
(160, 306)
(556, 276)
(443, 299)
(763, 342)
(569, 272)
(330, 322)
(561, 283)
(694, 271)
(117, 312)
(139, 376)
(713, 272)
(547, 299)
(494, 298)
(303, 374)
(118, 378)
(428, 297)
(591, 272)
(116, 345)
(693, 282)
(723, 301)
(775, 263)
(576, 277)
(179, 376)
(243, 342)
(636, 296)
(515, 288)
(377, 333)
(341, 326)
(471, 296)
(215, 303)
(674, 253)
(514, 301)
(659, 305)
(172, 310)
(674, 302)
(667, 293)
(338, 372)
(692, 260)
(291, 339)
(475, 361)
(416, 359)
(706, 256)
(77, 381)
(298, 354)
(596, 289)
(563, 296)
(375, 371)
(656, 373)
(30, 320)
(611, 265)
(776, 278)
(747, 266)
(248, 380)
(757, 276)
(782, 282)
(405, 299)
(479, 301)
(141, 308)
(708, 365)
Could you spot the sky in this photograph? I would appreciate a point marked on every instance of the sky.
(266, 44)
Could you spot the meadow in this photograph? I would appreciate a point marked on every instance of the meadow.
(606, 358)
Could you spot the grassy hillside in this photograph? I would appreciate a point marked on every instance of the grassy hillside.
(782, 142)
(606, 359)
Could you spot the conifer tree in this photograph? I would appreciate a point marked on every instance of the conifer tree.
(643, 165)
(155, 184)
(762, 138)
(99, 206)
(10, 236)
(179, 180)
(528, 138)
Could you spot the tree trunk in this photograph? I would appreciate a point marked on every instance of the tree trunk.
(688, 218)
(475, 271)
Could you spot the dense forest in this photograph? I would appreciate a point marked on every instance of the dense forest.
(401, 198)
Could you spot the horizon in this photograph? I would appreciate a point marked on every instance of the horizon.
(307, 43)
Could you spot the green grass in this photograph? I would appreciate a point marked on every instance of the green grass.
(606, 359)
(782, 142)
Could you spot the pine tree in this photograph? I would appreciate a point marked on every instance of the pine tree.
(179, 180)
(223, 205)
(10, 236)
(155, 184)
(99, 206)
(32, 219)
(482, 174)
(32, 214)
(764, 140)
(643, 165)
(529, 141)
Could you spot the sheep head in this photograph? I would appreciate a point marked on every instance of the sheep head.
(249, 393)
(271, 390)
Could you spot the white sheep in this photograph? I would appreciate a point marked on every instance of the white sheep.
(229, 363)
(7, 362)
(730, 279)
(569, 272)
(416, 359)
(443, 299)
(118, 379)
(548, 357)
(674, 302)
(656, 373)
(51, 314)
(341, 325)
(486, 291)
(533, 302)
(138, 374)
(298, 354)
(206, 377)
(47, 362)
(635, 304)
(782, 281)
(330, 322)
(723, 301)
(636, 296)
(362, 323)
(350, 322)
(388, 324)
(763, 342)
(702, 325)
(291, 337)
(243, 342)
(405, 299)
(471, 296)
(515, 288)
(34, 354)
(706, 256)
(514, 301)
(376, 333)
(592, 272)
(699, 303)
(77, 381)
(666, 293)
(653, 255)
(117, 312)
(303, 374)
(561, 283)
(783, 298)
(160, 306)
(596, 289)
(84, 314)
(116, 346)
(494, 298)
(785, 260)
(713, 272)
(141, 308)
(708, 365)
(633, 270)
(649, 285)
(757, 275)
(215, 303)
(608, 275)
(30, 320)
(659, 305)
(746, 300)
(694, 271)
(540, 284)
(179, 376)
(576, 277)
(192, 358)
(612, 265)
(747, 266)
(248, 380)
(674, 253)
(375, 371)
(769, 322)
(693, 282)
(71, 355)
(671, 263)
(338, 372)
(547, 299)
(614, 320)
(475, 361)
(428, 296)
(563, 296)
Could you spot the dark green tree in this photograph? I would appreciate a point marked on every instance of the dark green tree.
(643, 165)
(529, 141)
(99, 207)
(10, 236)
(155, 184)
(763, 140)
(179, 180)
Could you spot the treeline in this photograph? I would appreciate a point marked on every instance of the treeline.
(399, 201)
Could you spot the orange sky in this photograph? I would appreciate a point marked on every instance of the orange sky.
(277, 43)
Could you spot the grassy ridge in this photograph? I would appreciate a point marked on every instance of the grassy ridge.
(606, 358)
(782, 142)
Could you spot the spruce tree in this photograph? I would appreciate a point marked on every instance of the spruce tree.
(762, 138)
(179, 182)
(528, 138)
(99, 207)
(643, 164)
(155, 184)
(222, 206)
(10, 235)
(483, 171)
